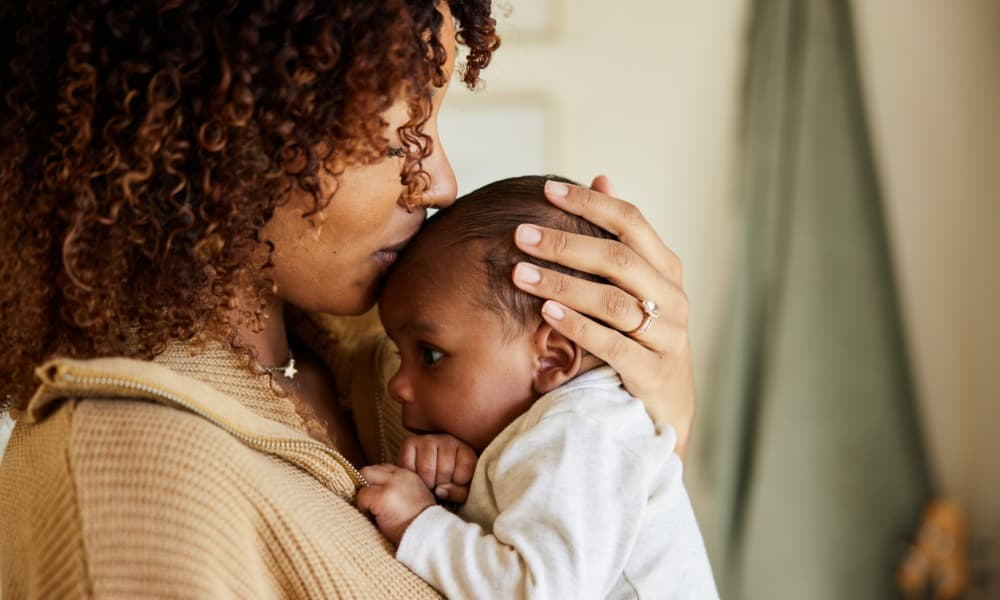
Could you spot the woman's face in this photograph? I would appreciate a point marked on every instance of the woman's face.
(334, 266)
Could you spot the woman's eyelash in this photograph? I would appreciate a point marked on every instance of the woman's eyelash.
(396, 153)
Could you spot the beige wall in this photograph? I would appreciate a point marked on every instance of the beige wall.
(932, 77)
(645, 92)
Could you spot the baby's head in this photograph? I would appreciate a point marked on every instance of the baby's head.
(475, 352)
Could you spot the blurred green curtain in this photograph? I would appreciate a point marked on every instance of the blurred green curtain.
(809, 444)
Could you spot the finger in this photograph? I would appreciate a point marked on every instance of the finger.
(363, 499)
(445, 465)
(427, 465)
(610, 259)
(602, 184)
(607, 344)
(607, 303)
(621, 218)
(465, 467)
(377, 474)
(407, 458)
(452, 492)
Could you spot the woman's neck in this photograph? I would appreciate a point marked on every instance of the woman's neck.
(271, 342)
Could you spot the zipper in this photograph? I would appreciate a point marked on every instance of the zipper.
(73, 376)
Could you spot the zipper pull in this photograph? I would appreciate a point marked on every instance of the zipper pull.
(54, 373)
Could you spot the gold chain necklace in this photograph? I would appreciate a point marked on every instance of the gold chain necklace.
(288, 369)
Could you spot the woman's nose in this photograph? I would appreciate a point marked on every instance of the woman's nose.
(399, 388)
(444, 187)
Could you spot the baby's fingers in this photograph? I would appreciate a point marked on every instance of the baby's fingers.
(365, 498)
(445, 466)
(377, 474)
(408, 454)
(427, 464)
(451, 492)
(465, 465)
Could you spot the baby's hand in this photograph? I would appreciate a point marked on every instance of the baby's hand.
(394, 497)
(444, 463)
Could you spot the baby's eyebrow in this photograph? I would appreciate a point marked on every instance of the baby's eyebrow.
(420, 325)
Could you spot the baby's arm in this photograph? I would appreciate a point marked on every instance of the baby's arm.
(570, 503)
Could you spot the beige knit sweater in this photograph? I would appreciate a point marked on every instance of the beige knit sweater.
(185, 477)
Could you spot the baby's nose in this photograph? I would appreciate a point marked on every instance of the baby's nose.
(399, 388)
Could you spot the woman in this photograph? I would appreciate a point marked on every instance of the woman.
(173, 178)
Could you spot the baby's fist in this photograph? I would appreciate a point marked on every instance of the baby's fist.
(444, 463)
(394, 497)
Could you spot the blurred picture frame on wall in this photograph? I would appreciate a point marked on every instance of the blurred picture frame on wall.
(529, 20)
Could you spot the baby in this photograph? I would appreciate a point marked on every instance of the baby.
(575, 492)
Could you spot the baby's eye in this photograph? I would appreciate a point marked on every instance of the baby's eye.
(396, 152)
(430, 355)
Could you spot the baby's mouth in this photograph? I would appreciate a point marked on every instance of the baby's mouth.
(408, 425)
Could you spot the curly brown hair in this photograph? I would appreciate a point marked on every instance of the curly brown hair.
(144, 145)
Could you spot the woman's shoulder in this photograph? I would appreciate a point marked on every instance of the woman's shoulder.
(134, 484)
(146, 492)
(145, 418)
(124, 448)
(139, 436)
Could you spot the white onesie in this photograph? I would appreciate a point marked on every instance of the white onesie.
(580, 497)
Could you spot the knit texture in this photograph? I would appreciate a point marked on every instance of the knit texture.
(363, 359)
(206, 487)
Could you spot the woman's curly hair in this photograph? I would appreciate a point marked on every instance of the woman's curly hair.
(144, 144)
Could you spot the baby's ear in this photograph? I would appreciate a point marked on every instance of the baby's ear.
(558, 359)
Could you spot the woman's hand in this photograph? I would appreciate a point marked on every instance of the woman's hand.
(655, 365)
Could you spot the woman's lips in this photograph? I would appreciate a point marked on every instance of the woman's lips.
(388, 255)
(385, 258)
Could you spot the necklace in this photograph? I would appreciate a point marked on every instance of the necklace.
(288, 369)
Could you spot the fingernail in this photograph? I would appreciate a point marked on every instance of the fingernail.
(440, 492)
(529, 234)
(526, 273)
(553, 310)
(556, 188)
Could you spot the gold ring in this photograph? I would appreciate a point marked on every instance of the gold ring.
(650, 311)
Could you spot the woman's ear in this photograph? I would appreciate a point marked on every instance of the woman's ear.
(558, 359)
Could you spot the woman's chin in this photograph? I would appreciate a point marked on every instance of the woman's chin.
(355, 306)
(359, 301)
(350, 293)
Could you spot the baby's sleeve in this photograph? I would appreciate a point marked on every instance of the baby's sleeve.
(570, 500)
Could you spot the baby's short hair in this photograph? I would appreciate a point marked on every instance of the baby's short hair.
(481, 225)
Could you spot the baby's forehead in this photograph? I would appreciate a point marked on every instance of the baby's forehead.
(444, 252)
(436, 270)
